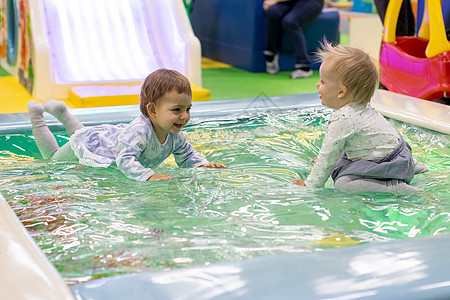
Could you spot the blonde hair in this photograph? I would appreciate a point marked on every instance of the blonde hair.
(159, 83)
(353, 68)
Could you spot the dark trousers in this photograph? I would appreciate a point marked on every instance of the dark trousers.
(290, 16)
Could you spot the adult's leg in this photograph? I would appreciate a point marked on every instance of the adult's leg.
(274, 16)
(45, 140)
(302, 12)
(59, 110)
(350, 183)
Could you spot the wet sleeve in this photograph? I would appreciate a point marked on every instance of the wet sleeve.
(338, 131)
(185, 155)
(129, 148)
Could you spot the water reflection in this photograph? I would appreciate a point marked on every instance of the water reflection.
(93, 222)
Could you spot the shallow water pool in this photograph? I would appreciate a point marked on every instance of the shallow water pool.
(93, 222)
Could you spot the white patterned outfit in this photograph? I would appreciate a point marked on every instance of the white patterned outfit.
(362, 134)
(133, 147)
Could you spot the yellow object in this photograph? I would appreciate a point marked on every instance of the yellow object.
(390, 20)
(438, 38)
(337, 240)
(13, 96)
(340, 4)
(199, 93)
(432, 27)
(208, 63)
(96, 96)
(424, 30)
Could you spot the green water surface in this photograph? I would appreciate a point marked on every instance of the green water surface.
(94, 222)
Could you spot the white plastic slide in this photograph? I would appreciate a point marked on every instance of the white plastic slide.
(102, 42)
(25, 271)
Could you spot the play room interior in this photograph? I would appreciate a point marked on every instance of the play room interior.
(69, 231)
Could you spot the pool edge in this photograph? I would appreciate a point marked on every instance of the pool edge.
(415, 268)
(423, 113)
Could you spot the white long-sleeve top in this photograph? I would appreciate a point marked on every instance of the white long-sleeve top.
(360, 132)
(134, 148)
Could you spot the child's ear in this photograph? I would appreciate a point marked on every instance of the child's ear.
(151, 108)
(342, 91)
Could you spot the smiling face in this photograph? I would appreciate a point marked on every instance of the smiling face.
(169, 114)
(331, 91)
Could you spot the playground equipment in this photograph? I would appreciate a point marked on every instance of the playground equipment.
(416, 66)
(53, 46)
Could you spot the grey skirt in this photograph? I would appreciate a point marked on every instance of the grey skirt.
(399, 164)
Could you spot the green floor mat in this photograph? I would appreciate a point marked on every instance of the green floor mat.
(233, 83)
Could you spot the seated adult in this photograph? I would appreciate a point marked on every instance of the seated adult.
(290, 16)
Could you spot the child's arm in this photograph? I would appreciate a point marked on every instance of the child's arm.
(338, 131)
(187, 157)
(126, 161)
(129, 147)
(298, 181)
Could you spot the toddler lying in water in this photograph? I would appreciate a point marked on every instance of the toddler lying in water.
(166, 101)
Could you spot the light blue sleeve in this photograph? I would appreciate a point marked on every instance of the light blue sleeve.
(130, 144)
(185, 155)
(339, 129)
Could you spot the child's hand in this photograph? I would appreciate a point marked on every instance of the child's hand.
(298, 181)
(155, 177)
(269, 3)
(213, 166)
